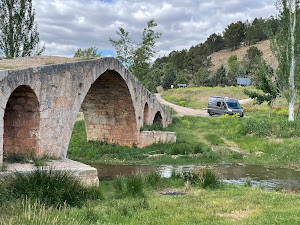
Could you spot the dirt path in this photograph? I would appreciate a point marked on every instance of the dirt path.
(184, 111)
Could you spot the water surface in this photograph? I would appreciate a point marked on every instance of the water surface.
(268, 178)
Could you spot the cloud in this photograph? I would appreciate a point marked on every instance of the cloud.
(66, 25)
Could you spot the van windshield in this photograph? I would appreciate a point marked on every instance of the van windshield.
(233, 105)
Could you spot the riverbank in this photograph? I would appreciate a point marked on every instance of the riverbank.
(165, 201)
(204, 140)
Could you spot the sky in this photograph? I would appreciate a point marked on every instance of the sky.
(65, 25)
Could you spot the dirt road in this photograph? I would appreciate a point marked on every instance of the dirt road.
(184, 111)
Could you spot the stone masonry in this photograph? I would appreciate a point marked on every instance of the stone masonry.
(38, 106)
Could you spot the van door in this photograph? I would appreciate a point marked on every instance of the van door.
(219, 108)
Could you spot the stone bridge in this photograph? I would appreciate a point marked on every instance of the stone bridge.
(38, 106)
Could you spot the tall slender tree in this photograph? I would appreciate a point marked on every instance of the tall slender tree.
(285, 46)
(19, 36)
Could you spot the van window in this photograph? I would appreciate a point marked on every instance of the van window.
(218, 104)
(233, 105)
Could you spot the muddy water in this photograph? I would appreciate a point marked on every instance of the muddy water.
(268, 178)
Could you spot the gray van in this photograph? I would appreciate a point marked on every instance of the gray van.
(219, 105)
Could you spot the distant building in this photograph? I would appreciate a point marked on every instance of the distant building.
(181, 85)
(243, 81)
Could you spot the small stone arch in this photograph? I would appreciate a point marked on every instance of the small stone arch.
(21, 122)
(146, 114)
(158, 118)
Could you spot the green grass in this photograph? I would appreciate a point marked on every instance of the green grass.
(50, 187)
(197, 97)
(226, 204)
(190, 151)
(272, 142)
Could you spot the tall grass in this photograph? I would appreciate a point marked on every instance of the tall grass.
(50, 187)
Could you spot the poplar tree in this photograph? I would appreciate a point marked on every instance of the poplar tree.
(19, 36)
(285, 46)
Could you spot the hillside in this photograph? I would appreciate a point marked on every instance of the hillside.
(221, 57)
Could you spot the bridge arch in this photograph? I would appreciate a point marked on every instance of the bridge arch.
(158, 118)
(21, 122)
(109, 112)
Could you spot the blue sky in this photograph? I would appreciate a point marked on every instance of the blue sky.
(66, 25)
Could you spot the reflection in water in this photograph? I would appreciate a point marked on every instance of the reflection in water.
(269, 178)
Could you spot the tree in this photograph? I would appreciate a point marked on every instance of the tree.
(267, 83)
(18, 30)
(215, 43)
(234, 34)
(137, 55)
(233, 65)
(169, 77)
(251, 62)
(123, 47)
(220, 76)
(285, 45)
(87, 53)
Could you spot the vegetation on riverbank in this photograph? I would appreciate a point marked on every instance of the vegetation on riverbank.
(205, 140)
(154, 200)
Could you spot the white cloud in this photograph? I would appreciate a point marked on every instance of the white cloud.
(66, 25)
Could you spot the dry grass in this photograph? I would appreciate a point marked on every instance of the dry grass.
(221, 57)
(34, 61)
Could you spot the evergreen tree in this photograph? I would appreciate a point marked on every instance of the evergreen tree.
(267, 83)
(18, 30)
(234, 34)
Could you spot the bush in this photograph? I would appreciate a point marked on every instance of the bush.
(204, 177)
(52, 188)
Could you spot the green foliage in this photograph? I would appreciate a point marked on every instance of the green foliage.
(137, 55)
(169, 76)
(204, 177)
(215, 42)
(234, 34)
(285, 45)
(219, 78)
(154, 126)
(52, 188)
(255, 31)
(28, 158)
(123, 46)
(267, 83)
(87, 53)
(18, 30)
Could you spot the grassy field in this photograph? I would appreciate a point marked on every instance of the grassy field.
(197, 97)
(206, 140)
(155, 200)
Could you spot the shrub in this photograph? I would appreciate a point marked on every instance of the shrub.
(52, 188)
(186, 123)
(204, 177)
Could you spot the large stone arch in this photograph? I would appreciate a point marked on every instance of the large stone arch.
(21, 122)
(108, 111)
